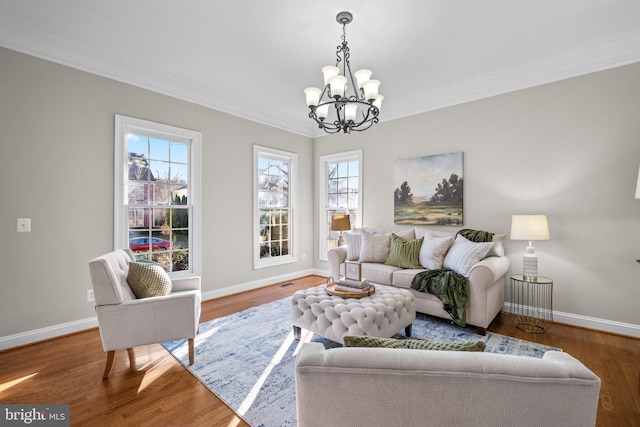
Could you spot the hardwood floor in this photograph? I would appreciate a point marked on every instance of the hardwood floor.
(157, 390)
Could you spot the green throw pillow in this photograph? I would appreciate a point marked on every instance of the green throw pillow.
(412, 343)
(403, 253)
(148, 280)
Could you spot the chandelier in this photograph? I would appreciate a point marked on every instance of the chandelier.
(355, 101)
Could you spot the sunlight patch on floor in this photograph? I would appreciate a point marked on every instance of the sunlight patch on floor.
(9, 384)
(154, 373)
(305, 336)
(248, 401)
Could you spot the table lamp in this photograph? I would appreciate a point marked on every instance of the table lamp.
(529, 227)
(340, 222)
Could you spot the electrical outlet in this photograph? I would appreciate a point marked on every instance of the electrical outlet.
(24, 225)
(304, 257)
(90, 297)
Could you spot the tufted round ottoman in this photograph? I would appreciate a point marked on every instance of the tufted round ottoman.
(382, 314)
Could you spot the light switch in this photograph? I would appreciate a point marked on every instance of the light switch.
(24, 225)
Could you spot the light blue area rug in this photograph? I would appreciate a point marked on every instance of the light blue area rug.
(247, 359)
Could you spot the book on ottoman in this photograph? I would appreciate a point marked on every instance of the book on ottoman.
(352, 285)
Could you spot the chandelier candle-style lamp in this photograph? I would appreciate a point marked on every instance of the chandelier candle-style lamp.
(529, 227)
(340, 222)
(349, 101)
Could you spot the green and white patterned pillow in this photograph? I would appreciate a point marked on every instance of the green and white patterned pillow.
(148, 280)
(412, 343)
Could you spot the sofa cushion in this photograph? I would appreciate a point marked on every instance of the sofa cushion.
(412, 343)
(375, 247)
(148, 280)
(404, 277)
(404, 253)
(379, 273)
(433, 251)
(464, 254)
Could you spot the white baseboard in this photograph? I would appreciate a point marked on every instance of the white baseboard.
(29, 337)
(242, 287)
(53, 331)
(605, 325)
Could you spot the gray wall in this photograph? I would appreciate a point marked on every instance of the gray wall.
(56, 167)
(570, 150)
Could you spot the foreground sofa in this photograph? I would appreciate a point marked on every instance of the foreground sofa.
(486, 277)
(400, 387)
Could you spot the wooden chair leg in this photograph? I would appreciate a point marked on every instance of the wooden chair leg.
(191, 351)
(107, 369)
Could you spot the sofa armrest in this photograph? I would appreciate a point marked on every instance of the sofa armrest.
(488, 271)
(336, 257)
(186, 284)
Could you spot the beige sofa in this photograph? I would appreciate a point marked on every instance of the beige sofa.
(399, 387)
(486, 278)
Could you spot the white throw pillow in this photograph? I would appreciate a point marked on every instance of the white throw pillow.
(464, 254)
(498, 248)
(433, 251)
(375, 247)
(354, 245)
(407, 235)
(429, 233)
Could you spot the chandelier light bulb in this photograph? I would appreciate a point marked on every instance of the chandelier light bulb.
(313, 96)
(371, 89)
(328, 72)
(338, 85)
(350, 112)
(322, 111)
(378, 102)
(362, 76)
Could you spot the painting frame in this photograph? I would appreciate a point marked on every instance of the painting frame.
(429, 190)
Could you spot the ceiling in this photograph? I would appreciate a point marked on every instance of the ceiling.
(253, 58)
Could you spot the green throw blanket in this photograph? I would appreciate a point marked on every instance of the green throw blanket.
(450, 287)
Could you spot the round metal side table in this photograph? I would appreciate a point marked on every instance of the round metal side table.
(532, 302)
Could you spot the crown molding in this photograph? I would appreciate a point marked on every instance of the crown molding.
(599, 56)
(606, 54)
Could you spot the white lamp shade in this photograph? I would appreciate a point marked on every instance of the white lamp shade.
(350, 111)
(322, 111)
(371, 89)
(638, 186)
(362, 76)
(313, 96)
(337, 85)
(378, 102)
(328, 72)
(529, 227)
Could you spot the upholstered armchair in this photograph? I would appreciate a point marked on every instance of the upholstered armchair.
(126, 322)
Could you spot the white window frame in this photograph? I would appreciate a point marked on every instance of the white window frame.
(323, 228)
(292, 256)
(125, 125)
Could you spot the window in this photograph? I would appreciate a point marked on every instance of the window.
(275, 178)
(157, 197)
(340, 192)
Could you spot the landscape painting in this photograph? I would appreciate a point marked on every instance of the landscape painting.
(429, 190)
